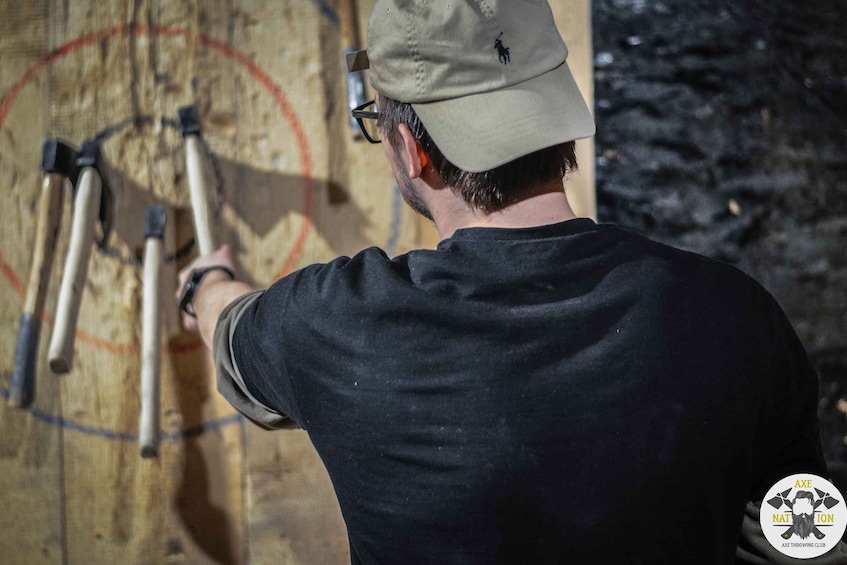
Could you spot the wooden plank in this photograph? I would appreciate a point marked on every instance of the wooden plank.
(573, 18)
(30, 447)
(185, 506)
(208, 486)
(354, 167)
(376, 210)
(268, 81)
(292, 514)
(205, 487)
(102, 485)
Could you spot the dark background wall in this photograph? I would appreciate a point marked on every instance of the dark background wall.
(722, 129)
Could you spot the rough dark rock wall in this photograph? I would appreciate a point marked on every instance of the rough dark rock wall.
(722, 129)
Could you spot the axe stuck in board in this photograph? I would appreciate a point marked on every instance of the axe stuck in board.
(151, 321)
(58, 162)
(189, 127)
(91, 193)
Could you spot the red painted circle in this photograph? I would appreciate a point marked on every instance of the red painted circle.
(226, 50)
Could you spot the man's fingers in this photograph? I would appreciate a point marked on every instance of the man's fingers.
(221, 256)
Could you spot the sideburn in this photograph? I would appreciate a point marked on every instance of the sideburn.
(407, 188)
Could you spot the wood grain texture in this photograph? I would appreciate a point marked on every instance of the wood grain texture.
(292, 516)
(291, 187)
(30, 450)
(185, 505)
(573, 18)
(23, 385)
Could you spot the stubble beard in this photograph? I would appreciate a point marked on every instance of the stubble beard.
(409, 193)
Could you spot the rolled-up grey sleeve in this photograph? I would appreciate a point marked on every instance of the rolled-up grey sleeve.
(230, 381)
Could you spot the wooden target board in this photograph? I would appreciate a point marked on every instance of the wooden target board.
(291, 187)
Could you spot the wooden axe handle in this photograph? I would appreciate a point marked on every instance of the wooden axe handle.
(22, 389)
(151, 347)
(200, 204)
(86, 210)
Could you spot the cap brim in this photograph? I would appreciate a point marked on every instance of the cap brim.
(482, 131)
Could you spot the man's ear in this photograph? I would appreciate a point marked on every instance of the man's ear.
(414, 158)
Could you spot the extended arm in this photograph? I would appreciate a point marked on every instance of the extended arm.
(215, 292)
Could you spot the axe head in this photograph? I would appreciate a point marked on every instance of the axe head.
(91, 156)
(189, 123)
(154, 225)
(355, 87)
(59, 157)
(776, 502)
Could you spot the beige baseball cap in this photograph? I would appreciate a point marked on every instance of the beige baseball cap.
(489, 79)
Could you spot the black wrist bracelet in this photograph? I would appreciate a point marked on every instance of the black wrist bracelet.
(186, 301)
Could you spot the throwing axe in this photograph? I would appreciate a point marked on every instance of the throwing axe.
(90, 200)
(58, 162)
(151, 345)
(189, 127)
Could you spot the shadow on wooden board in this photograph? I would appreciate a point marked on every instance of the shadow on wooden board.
(208, 524)
(260, 199)
(207, 471)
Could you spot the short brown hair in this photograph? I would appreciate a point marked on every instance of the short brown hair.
(487, 191)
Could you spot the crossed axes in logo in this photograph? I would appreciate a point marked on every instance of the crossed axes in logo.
(824, 498)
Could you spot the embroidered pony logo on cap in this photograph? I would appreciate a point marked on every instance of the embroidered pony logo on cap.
(502, 52)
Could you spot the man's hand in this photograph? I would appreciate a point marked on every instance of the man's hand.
(215, 292)
(223, 257)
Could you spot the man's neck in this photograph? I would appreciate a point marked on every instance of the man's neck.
(451, 214)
